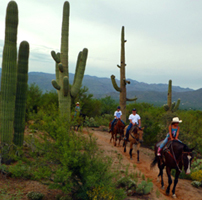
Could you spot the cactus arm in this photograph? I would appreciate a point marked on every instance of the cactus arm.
(166, 107)
(177, 105)
(21, 93)
(77, 66)
(126, 82)
(115, 84)
(169, 97)
(65, 85)
(55, 56)
(55, 85)
(118, 66)
(134, 99)
(79, 73)
(60, 67)
(9, 76)
(172, 106)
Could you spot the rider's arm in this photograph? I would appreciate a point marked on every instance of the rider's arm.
(170, 133)
(131, 122)
(139, 122)
(177, 134)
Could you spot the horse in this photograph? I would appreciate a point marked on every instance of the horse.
(135, 137)
(175, 155)
(117, 132)
(78, 121)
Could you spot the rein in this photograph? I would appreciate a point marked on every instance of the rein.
(175, 159)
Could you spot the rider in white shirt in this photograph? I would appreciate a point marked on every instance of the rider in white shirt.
(134, 119)
(117, 115)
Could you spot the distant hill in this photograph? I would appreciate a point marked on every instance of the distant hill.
(151, 93)
(97, 85)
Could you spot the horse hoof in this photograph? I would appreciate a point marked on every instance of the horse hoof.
(162, 187)
(138, 161)
(174, 196)
(131, 158)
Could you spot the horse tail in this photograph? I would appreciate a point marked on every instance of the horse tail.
(154, 162)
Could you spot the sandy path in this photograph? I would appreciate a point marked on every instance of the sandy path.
(184, 189)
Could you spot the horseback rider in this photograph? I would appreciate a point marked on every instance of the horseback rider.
(173, 133)
(117, 115)
(134, 120)
(77, 109)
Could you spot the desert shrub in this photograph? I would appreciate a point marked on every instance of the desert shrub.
(20, 170)
(72, 161)
(197, 175)
(35, 196)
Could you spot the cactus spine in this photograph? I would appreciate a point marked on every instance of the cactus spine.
(171, 107)
(21, 93)
(123, 81)
(9, 77)
(65, 91)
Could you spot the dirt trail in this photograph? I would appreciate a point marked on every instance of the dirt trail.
(184, 189)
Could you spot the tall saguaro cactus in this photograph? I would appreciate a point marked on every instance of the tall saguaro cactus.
(9, 74)
(21, 93)
(171, 107)
(14, 77)
(123, 81)
(65, 91)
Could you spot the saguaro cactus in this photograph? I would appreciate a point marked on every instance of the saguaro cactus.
(171, 107)
(65, 91)
(21, 93)
(123, 81)
(14, 77)
(9, 76)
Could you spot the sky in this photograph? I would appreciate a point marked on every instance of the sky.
(164, 37)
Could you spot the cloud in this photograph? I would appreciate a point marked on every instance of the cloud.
(163, 37)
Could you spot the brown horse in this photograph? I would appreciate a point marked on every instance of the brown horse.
(118, 131)
(135, 137)
(175, 155)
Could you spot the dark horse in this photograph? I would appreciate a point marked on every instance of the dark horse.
(175, 155)
(135, 137)
(117, 132)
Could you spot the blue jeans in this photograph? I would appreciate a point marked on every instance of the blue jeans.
(128, 129)
(115, 120)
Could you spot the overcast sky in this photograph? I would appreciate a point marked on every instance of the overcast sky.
(164, 37)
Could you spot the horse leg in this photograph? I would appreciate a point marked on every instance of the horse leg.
(138, 152)
(177, 173)
(131, 153)
(131, 149)
(169, 180)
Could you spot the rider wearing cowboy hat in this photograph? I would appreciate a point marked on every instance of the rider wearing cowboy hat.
(173, 133)
(77, 108)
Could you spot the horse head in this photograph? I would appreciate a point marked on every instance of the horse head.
(138, 133)
(187, 157)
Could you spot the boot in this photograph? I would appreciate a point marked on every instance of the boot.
(158, 152)
(126, 137)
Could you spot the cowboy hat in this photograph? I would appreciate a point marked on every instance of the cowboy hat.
(77, 102)
(176, 120)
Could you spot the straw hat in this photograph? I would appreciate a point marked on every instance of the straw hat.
(176, 120)
(77, 102)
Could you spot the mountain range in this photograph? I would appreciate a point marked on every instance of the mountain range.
(155, 94)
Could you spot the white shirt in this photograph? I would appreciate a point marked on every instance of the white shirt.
(135, 118)
(117, 114)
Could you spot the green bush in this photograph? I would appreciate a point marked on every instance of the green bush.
(35, 196)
